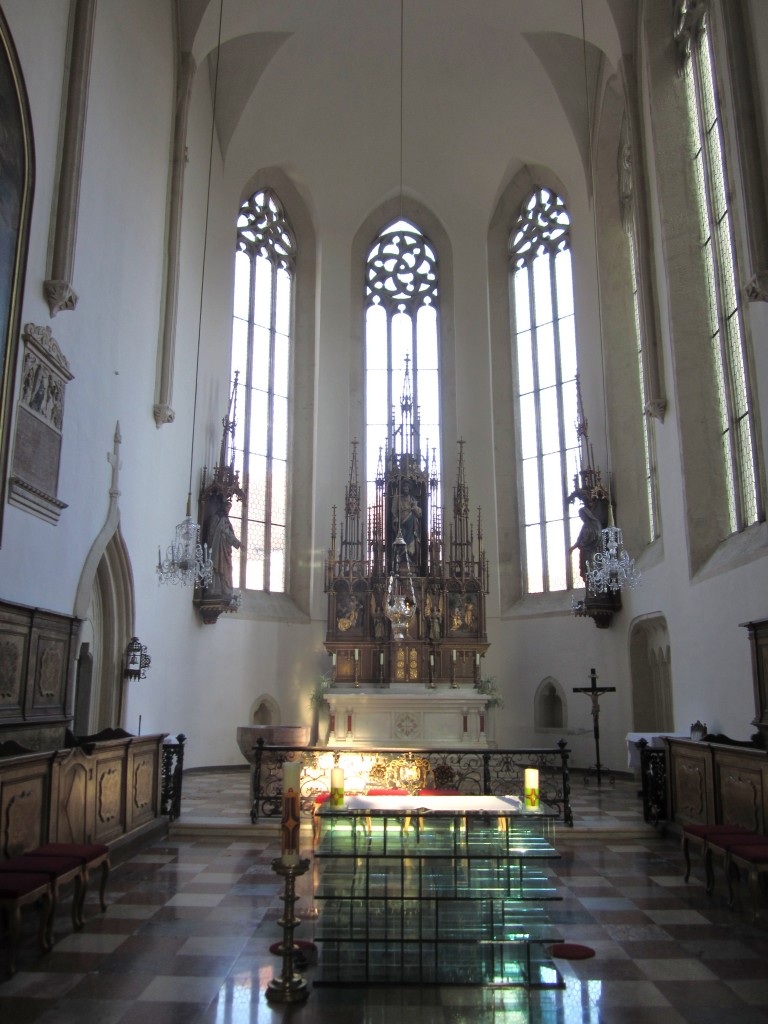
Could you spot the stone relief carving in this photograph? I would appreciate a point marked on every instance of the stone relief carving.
(39, 425)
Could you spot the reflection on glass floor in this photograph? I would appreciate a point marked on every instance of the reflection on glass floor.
(451, 900)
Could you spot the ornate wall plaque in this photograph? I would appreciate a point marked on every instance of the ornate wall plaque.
(39, 425)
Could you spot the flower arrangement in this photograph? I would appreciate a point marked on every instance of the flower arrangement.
(487, 686)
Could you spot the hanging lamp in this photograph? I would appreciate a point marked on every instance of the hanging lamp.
(611, 568)
(186, 561)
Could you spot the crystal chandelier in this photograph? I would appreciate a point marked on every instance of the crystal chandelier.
(612, 568)
(186, 561)
(401, 597)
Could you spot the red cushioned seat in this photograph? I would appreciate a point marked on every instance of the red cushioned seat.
(86, 851)
(18, 883)
(702, 831)
(91, 856)
(755, 853)
(18, 889)
(737, 839)
(29, 863)
(59, 871)
(701, 834)
(753, 858)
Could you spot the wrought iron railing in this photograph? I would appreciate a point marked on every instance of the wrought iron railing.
(480, 772)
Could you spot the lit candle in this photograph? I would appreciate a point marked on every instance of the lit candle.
(291, 824)
(531, 788)
(337, 787)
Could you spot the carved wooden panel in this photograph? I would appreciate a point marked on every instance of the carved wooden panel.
(109, 795)
(74, 796)
(23, 803)
(36, 667)
(718, 783)
(49, 669)
(13, 660)
(742, 787)
(70, 817)
(690, 780)
(741, 800)
(143, 782)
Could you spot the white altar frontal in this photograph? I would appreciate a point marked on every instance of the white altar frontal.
(407, 716)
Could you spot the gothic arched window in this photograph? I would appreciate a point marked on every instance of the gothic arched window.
(545, 356)
(718, 248)
(401, 336)
(261, 356)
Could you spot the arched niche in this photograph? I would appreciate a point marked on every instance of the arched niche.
(550, 709)
(649, 655)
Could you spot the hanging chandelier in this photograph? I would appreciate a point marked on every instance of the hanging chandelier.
(401, 597)
(186, 561)
(611, 569)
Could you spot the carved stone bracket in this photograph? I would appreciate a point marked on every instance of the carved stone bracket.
(757, 289)
(689, 24)
(656, 407)
(163, 414)
(59, 295)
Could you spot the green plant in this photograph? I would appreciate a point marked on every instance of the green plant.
(317, 696)
(488, 687)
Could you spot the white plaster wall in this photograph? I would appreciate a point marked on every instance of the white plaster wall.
(309, 113)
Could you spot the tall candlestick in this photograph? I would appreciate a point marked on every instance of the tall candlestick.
(291, 823)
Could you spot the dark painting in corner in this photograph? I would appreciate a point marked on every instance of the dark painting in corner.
(16, 186)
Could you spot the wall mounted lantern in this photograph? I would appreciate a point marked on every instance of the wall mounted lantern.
(137, 661)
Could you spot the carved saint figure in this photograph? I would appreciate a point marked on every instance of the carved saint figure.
(588, 540)
(220, 537)
(406, 516)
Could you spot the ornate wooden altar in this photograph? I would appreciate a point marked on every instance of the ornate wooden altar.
(406, 603)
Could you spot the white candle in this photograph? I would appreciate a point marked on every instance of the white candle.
(432, 659)
(291, 776)
(531, 787)
(477, 659)
(337, 787)
(357, 654)
(381, 657)
(333, 659)
(454, 655)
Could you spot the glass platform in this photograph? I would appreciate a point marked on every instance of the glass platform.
(444, 890)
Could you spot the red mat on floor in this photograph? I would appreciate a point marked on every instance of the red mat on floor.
(571, 951)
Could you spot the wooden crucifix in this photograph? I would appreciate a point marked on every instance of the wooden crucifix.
(595, 692)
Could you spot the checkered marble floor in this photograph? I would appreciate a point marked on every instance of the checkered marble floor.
(186, 936)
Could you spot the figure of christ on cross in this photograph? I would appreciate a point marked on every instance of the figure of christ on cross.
(595, 692)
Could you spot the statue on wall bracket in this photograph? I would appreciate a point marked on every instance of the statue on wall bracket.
(217, 533)
(595, 515)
